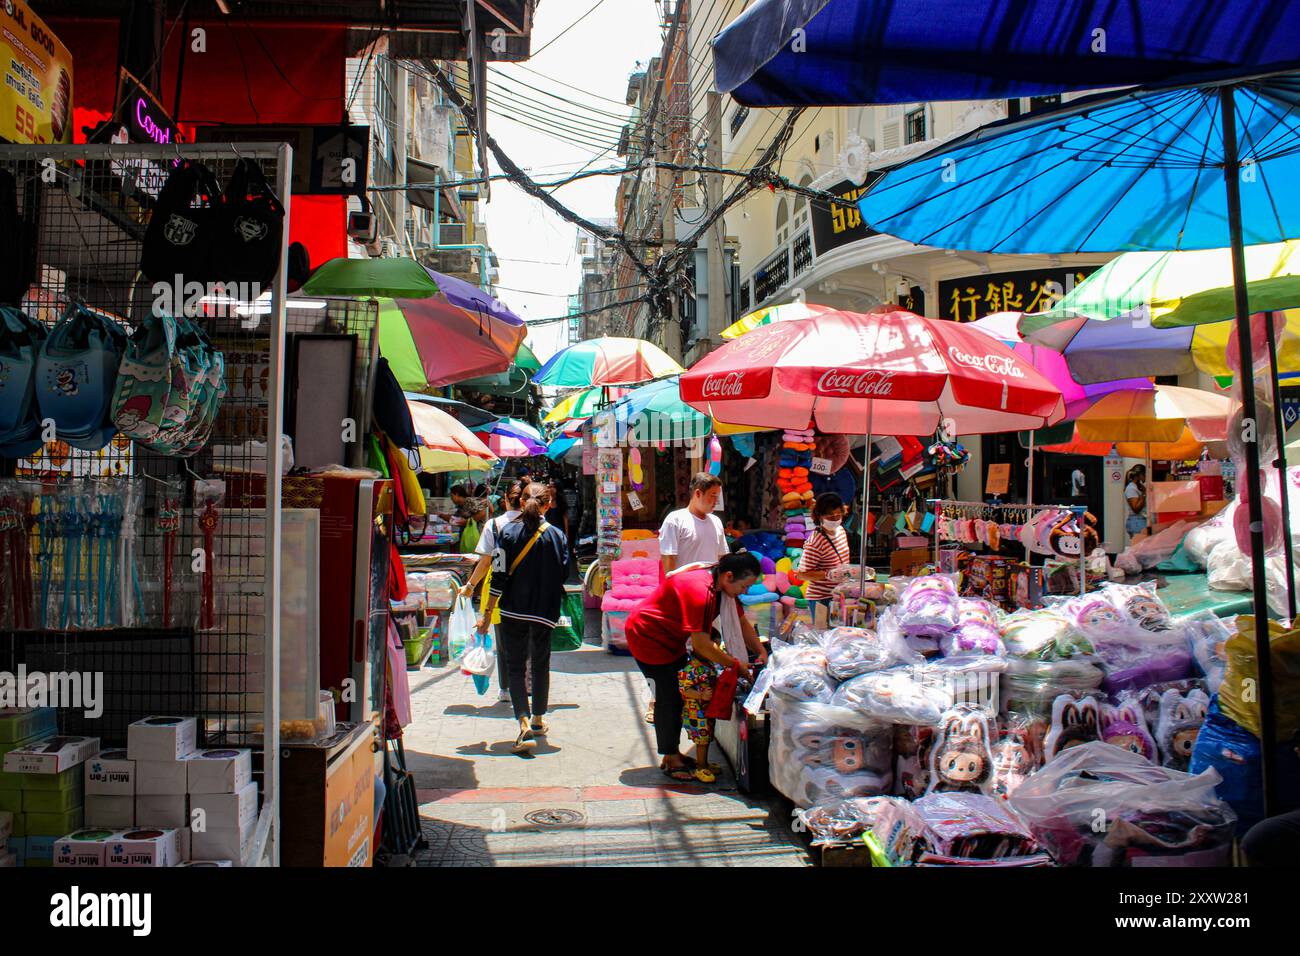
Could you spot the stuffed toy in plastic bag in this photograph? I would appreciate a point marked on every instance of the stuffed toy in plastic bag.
(960, 759)
(853, 651)
(1181, 716)
(896, 696)
(1074, 722)
(1124, 725)
(928, 606)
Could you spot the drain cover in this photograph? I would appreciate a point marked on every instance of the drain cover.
(555, 817)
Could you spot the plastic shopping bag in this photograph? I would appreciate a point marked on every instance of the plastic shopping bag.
(479, 661)
(460, 627)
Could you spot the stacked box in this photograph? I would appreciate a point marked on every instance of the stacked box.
(109, 784)
(153, 847)
(160, 747)
(83, 848)
(42, 785)
(223, 804)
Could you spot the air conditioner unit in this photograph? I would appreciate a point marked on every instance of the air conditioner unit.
(391, 249)
(451, 234)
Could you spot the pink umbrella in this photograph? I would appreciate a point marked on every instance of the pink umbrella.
(848, 372)
(1003, 326)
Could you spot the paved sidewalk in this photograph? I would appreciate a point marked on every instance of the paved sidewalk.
(591, 795)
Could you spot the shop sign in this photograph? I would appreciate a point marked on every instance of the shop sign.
(1114, 466)
(836, 224)
(37, 94)
(142, 116)
(1035, 290)
(349, 806)
(327, 160)
(999, 479)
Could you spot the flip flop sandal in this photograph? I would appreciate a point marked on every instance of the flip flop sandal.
(539, 727)
(682, 774)
(704, 775)
(524, 742)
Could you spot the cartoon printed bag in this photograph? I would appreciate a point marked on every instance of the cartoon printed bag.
(144, 378)
(20, 345)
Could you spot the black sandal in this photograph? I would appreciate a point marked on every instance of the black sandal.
(680, 774)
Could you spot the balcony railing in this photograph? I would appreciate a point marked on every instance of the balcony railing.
(790, 260)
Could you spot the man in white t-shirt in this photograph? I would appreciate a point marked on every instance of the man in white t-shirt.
(694, 534)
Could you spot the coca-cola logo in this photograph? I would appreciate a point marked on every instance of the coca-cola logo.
(1004, 365)
(871, 382)
(729, 385)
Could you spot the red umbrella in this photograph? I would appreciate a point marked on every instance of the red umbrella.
(894, 373)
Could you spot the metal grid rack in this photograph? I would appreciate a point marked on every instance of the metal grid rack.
(88, 208)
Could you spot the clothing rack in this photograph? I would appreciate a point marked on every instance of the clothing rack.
(938, 505)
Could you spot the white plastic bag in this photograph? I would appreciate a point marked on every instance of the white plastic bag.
(1227, 569)
(479, 659)
(460, 627)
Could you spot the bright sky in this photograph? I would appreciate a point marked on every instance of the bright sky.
(540, 266)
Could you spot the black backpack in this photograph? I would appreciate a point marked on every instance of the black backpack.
(183, 228)
(252, 228)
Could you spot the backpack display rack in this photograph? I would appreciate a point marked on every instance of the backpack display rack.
(97, 541)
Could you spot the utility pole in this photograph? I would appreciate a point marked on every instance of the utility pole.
(717, 281)
(668, 326)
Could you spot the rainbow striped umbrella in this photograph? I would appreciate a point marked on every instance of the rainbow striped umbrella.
(583, 404)
(608, 360)
(789, 312)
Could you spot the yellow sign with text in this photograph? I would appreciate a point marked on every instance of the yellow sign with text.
(36, 102)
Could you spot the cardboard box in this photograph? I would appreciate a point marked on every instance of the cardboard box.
(222, 844)
(219, 770)
(905, 559)
(83, 848)
(24, 723)
(161, 776)
(225, 811)
(170, 810)
(145, 847)
(110, 811)
(12, 781)
(51, 755)
(39, 851)
(70, 779)
(52, 825)
(52, 801)
(161, 738)
(110, 773)
(207, 863)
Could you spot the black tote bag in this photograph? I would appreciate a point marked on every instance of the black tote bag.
(252, 228)
(182, 230)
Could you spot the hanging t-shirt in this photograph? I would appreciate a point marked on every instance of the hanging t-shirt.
(692, 540)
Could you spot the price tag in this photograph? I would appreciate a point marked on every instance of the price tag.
(820, 466)
(610, 488)
(999, 479)
(634, 501)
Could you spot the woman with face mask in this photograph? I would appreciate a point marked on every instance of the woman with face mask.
(826, 551)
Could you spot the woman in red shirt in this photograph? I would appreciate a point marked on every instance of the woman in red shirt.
(682, 611)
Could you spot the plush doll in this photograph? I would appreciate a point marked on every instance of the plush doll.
(1013, 762)
(1065, 537)
(1179, 724)
(961, 759)
(976, 633)
(852, 651)
(1124, 726)
(1074, 722)
(802, 682)
(928, 606)
(819, 785)
(845, 750)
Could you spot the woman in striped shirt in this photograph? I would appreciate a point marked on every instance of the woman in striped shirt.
(826, 549)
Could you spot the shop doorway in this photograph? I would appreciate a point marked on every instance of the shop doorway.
(1074, 480)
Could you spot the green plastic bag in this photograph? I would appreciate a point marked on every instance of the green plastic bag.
(569, 632)
(469, 537)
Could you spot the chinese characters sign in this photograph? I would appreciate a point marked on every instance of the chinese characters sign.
(965, 300)
(835, 224)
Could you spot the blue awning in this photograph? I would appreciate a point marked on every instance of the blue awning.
(857, 52)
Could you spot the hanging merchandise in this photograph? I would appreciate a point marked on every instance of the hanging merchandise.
(146, 377)
(635, 472)
(715, 455)
(21, 338)
(209, 500)
(77, 376)
(251, 229)
(16, 597)
(796, 492)
(609, 502)
(170, 513)
(183, 228)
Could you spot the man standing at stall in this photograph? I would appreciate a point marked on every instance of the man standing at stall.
(691, 535)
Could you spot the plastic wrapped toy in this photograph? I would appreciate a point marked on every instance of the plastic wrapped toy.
(1074, 722)
(1208, 635)
(1181, 716)
(840, 821)
(1124, 725)
(896, 696)
(928, 606)
(1139, 603)
(1013, 760)
(852, 651)
(1044, 635)
(960, 759)
(818, 753)
(976, 633)
(799, 672)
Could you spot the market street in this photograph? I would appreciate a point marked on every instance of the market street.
(603, 802)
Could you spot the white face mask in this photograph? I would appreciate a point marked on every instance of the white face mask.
(832, 525)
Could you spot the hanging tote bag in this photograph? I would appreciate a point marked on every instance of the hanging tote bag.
(248, 243)
(183, 227)
(21, 338)
(144, 378)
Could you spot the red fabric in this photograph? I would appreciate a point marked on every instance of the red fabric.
(320, 223)
(890, 373)
(682, 605)
(397, 589)
(724, 695)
